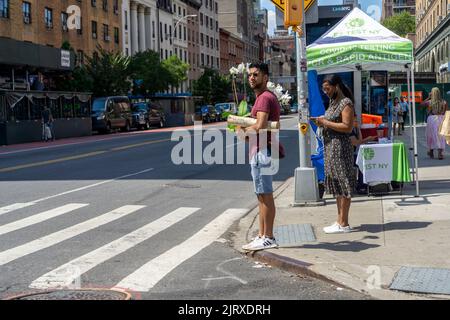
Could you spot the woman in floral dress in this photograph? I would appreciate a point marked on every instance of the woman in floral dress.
(339, 171)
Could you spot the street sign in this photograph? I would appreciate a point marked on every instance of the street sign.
(281, 4)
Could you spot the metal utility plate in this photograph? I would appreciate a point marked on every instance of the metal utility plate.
(294, 234)
(422, 280)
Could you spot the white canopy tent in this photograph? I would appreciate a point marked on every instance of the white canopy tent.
(358, 43)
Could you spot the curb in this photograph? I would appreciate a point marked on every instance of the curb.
(282, 262)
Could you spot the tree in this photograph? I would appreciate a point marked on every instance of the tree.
(109, 72)
(148, 73)
(401, 23)
(176, 69)
(212, 87)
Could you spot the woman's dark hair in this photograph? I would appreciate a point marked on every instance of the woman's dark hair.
(336, 81)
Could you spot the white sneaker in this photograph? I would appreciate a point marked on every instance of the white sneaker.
(251, 243)
(332, 227)
(337, 229)
(261, 244)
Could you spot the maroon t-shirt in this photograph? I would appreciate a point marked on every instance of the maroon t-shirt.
(266, 102)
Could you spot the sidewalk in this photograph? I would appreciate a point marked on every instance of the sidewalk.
(391, 232)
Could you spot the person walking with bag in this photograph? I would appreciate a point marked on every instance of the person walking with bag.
(436, 108)
(397, 116)
(47, 124)
(337, 125)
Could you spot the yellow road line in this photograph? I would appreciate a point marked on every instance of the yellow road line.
(37, 164)
(80, 156)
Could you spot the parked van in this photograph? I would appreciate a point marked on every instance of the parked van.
(227, 107)
(111, 113)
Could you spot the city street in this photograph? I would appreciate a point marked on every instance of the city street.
(113, 211)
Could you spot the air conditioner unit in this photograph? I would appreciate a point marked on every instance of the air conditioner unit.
(107, 38)
(94, 35)
(26, 20)
(49, 25)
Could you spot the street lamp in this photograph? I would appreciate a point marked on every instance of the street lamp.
(179, 20)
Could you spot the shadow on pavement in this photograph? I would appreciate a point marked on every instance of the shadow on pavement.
(392, 226)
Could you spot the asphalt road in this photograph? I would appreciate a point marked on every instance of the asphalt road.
(116, 212)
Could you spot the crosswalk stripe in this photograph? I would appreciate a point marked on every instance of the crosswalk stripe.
(146, 277)
(62, 235)
(20, 224)
(66, 274)
(15, 206)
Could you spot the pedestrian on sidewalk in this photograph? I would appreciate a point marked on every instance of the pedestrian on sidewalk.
(337, 125)
(47, 124)
(397, 116)
(266, 108)
(405, 109)
(436, 107)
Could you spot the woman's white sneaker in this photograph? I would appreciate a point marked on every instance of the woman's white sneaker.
(332, 227)
(337, 228)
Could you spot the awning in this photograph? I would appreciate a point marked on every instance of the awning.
(358, 42)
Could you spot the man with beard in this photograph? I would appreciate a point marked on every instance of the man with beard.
(266, 108)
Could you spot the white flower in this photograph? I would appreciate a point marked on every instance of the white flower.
(278, 91)
(285, 99)
(241, 68)
(234, 71)
(271, 86)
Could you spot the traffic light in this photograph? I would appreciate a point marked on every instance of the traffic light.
(293, 13)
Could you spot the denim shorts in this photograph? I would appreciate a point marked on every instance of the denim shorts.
(262, 180)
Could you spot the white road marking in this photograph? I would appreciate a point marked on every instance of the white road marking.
(57, 237)
(146, 277)
(66, 274)
(46, 215)
(15, 206)
(92, 185)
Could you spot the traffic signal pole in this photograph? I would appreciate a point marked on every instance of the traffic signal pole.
(306, 186)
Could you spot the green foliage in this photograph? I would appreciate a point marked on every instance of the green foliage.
(146, 66)
(109, 73)
(401, 23)
(176, 69)
(242, 112)
(213, 87)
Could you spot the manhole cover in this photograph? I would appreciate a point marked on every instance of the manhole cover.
(422, 280)
(294, 234)
(81, 294)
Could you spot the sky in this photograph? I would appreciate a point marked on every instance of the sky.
(371, 7)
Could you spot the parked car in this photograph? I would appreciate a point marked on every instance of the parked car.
(111, 113)
(294, 107)
(219, 111)
(146, 115)
(209, 113)
(227, 107)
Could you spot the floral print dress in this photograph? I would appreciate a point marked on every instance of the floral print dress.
(340, 176)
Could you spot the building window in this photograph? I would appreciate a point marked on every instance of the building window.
(153, 29)
(116, 7)
(185, 33)
(26, 9)
(4, 8)
(116, 35)
(126, 20)
(201, 19)
(80, 57)
(106, 32)
(64, 17)
(94, 29)
(105, 5)
(217, 8)
(94, 3)
(48, 14)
